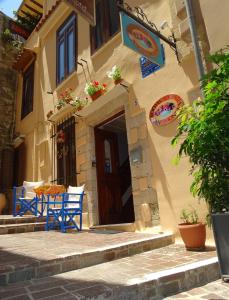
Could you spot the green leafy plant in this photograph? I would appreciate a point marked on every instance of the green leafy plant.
(115, 73)
(27, 22)
(203, 134)
(9, 39)
(93, 87)
(189, 216)
(67, 98)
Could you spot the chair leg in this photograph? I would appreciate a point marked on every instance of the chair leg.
(81, 221)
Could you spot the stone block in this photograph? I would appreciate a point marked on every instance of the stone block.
(143, 132)
(171, 288)
(146, 213)
(180, 8)
(143, 183)
(81, 159)
(81, 141)
(44, 271)
(185, 31)
(133, 135)
(22, 275)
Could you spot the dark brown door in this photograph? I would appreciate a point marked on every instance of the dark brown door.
(108, 180)
(19, 165)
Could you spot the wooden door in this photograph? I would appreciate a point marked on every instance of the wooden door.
(108, 180)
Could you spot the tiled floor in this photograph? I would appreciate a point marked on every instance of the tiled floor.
(216, 290)
(114, 280)
(40, 254)
(45, 246)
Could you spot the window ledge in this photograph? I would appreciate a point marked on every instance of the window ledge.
(65, 81)
(106, 45)
(93, 106)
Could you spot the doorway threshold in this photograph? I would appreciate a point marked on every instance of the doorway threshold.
(128, 227)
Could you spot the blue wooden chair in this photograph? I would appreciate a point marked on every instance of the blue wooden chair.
(62, 210)
(25, 199)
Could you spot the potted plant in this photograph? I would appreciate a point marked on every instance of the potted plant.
(94, 89)
(193, 232)
(115, 74)
(203, 131)
(67, 98)
(78, 103)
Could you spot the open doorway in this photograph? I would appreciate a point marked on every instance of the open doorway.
(113, 172)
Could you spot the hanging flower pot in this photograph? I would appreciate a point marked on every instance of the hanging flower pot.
(96, 95)
(115, 74)
(117, 81)
(94, 89)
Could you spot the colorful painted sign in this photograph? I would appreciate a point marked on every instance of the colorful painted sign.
(148, 67)
(138, 38)
(164, 110)
(86, 8)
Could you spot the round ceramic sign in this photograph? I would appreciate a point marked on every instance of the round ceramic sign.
(164, 110)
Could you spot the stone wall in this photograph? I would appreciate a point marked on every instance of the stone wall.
(8, 82)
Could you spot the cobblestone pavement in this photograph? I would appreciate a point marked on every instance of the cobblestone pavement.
(114, 280)
(216, 290)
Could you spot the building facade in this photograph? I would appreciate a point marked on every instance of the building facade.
(8, 82)
(110, 145)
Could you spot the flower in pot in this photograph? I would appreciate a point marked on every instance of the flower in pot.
(115, 74)
(203, 136)
(60, 103)
(78, 103)
(193, 232)
(94, 89)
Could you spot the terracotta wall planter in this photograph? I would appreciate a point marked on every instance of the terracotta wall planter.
(193, 235)
(96, 95)
(117, 81)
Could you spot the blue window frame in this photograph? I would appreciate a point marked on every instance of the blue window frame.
(66, 49)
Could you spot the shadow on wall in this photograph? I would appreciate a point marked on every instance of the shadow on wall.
(159, 177)
(100, 59)
(167, 130)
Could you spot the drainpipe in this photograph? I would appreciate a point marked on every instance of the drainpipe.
(193, 30)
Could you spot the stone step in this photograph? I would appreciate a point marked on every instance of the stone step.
(9, 219)
(129, 227)
(21, 227)
(41, 254)
(154, 275)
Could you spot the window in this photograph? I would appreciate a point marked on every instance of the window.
(107, 23)
(27, 96)
(66, 152)
(66, 49)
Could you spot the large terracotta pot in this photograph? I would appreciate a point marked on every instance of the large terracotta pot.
(193, 235)
(2, 202)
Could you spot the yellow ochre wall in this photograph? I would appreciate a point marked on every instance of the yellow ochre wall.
(170, 182)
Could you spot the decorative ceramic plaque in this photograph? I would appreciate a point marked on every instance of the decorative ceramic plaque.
(164, 110)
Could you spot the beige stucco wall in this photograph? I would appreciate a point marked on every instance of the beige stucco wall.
(216, 19)
(169, 183)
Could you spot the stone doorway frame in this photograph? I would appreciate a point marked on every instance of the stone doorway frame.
(144, 196)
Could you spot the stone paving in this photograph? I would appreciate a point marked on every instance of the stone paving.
(216, 290)
(38, 254)
(149, 275)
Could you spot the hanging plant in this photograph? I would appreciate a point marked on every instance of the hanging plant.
(60, 137)
(115, 74)
(67, 98)
(94, 89)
